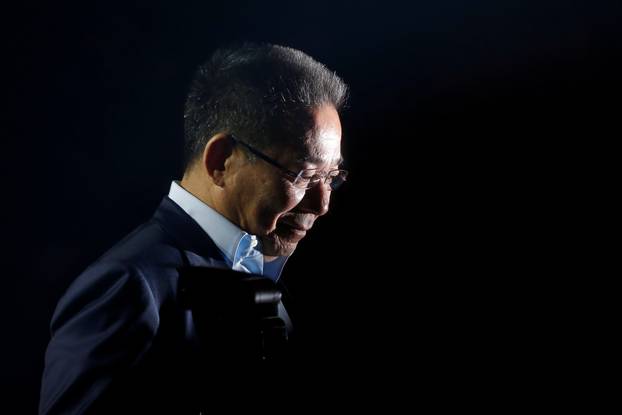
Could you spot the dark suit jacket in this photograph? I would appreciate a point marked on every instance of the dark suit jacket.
(121, 342)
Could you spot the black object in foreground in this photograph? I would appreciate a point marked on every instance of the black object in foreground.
(235, 314)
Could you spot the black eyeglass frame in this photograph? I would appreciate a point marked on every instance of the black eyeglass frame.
(297, 178)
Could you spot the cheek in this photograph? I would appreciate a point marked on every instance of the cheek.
(292, 198)
(283, 196)
(278, 203)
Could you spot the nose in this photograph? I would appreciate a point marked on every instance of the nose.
(316, 199)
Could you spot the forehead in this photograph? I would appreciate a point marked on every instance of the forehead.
(322, 145)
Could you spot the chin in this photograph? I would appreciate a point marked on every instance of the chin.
(275, 246)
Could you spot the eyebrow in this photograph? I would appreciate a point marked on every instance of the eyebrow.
(317, 160)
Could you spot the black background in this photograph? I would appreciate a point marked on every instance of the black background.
(463, 123)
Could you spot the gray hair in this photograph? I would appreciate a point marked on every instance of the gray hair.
(262, 93)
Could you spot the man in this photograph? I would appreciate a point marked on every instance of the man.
(263, 139)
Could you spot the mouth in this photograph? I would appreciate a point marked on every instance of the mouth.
(292, 231)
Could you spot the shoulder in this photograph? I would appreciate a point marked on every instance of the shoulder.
(147, 257)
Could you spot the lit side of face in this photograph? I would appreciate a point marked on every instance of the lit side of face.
(270, 206)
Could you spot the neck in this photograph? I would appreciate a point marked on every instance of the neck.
(198, 188)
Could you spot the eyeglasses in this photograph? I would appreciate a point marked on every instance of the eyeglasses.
(305, 178)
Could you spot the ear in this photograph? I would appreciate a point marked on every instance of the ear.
(218, 149)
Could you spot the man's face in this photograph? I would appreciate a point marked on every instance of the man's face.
(264, 202)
